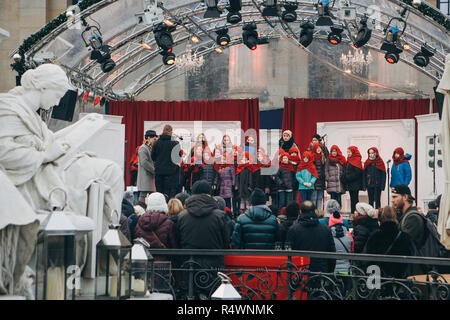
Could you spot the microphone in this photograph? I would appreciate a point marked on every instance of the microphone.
(389, 161)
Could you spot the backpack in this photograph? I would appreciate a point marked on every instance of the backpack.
(432, 246)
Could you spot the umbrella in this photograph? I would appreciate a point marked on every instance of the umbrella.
(444, 208)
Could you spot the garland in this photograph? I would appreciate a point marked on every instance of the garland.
(28, 43)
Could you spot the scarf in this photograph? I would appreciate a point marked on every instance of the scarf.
(339, 158)
(401, 158)
(286, 145)
(316, 156)
(308, 165)
(355, 159)
(378, 162)
(219, 166)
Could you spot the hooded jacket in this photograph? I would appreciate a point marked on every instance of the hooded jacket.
(363, 227)
(310, 235)
(401, 173)
(343, 241)
(202, 225)
(161, 225)
(256, 229)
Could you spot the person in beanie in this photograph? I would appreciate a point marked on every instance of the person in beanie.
(334, 171)
(353, 175)
(146, 167)
(292, 212)
(332, 206)
(287, 141)
(343, 241)
(163, 150)
(374, 178)
(365, 222)
(202, 225)
(257, 228)
(401, 169)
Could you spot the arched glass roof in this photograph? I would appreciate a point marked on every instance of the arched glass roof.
(138, 68)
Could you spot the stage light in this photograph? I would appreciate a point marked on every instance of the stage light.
(163, 36)
(363, 35)
(218, 50)
(234, 16)
(323, 10)
(270, 9)
(289, 14)
(168, 58)
(391, 45)
(250, 36)
(422, 59)
(211, 11)
(222, 38)
(306, 35)
(335, 36)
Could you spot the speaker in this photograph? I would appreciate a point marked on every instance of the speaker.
(439, 101)
(66, 107)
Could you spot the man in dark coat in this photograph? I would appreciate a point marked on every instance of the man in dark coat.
(257, 228)
(165, 167)
(292, 213)
(310, 235)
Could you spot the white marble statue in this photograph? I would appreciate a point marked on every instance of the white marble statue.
(36, 160)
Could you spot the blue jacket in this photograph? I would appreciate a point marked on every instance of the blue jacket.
(305, 176)
(256, 229)
(401, 174)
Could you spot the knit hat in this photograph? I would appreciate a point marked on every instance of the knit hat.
(365, 209)
(289, 132)
(292, 209)
(220, 202)
(201, 186)
(332, 206)
(335, 218)
(156, 202)
(129, 196)
(257, 197)
(139, 210)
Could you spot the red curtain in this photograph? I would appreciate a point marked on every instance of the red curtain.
(301, 115)
(136, 112)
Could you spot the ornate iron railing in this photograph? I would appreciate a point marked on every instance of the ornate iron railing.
(187, 278)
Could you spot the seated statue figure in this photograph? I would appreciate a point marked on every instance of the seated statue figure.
(36, 160)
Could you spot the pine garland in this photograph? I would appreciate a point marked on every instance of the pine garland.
(436, 15)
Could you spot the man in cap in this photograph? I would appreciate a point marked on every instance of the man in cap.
(146, 168)
(409, 218)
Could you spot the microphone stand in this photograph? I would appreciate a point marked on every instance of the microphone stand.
(389, 181)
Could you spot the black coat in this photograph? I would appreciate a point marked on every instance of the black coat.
(285, 179)
(203, 226)
(374, 177)
(379, 243)
(259, 180)
(320, 182)
(363, 227)
(352, 178)
(284, 228)
(162, 155)
(310, 235)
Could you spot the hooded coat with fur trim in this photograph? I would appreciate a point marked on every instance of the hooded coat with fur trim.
(256, 229)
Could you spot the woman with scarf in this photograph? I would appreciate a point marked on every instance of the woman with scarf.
(287, 141)
(294, 158)
(353, 175)
(401, 170)
(306, 176)
(374, 178)
(334, 170)
(226, 179)
(260, 179)
(319, 160)
(243, 180)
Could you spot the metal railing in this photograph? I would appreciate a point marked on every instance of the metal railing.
(193, 275)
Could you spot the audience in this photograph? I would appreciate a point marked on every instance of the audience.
(365, 222)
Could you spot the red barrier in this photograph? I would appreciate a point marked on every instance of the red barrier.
(264, 283)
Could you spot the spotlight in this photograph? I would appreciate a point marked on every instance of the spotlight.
(289, 14)
(323, 11)
(222, 37)
(168, 57)
(195, 39)
(212, 11)
(363, 36)
(163, 36)
(335, 36)
(250, 36)
(391, 45)
(306, 35)
(270, 9)
(234, 16)
(422, 59)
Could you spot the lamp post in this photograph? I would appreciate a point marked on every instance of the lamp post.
(225, 291)
(141, 260)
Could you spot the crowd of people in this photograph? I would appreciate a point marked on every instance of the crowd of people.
(227, 201)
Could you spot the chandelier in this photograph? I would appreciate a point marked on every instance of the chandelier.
(356, 62)
(189, 62)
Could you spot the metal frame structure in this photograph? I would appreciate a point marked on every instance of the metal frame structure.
(130, 56)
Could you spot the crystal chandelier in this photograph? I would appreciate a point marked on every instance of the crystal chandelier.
(189, 62)
(356, 62)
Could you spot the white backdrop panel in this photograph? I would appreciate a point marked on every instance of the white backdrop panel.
(386, 135)
(189, 131)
